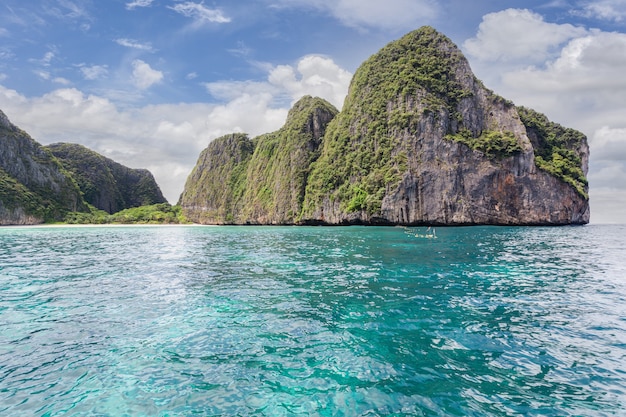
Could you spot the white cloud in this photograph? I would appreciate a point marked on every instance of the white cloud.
(612, 10)
(62, 81)
(394, 15)
(167, 139)
(609, 144)
(144, 76)
(131, 43)
(44, 75)
(45, 61)
(73, 10)
(200, 13)
(94, 72)
(584, 86)
(4, 32)
(139, 3)
(518, 35)
(313, 75)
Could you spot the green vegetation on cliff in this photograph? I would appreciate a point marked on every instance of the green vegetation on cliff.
(106, 184)
(216, 185)
(492, 143)
(557, 149)
(400, 151)
(68, 182)
(14, 195)
(362, 156)
(162, 213)
(34, 187)
(238, 180)
(279, 168)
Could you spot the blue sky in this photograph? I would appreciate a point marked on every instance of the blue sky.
(150, 83)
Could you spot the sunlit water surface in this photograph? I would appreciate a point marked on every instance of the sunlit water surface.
(272, 321)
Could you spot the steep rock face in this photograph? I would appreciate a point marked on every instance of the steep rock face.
(279, 168)
(34, 187)
(106, 184)
(239, 181)
(421, 141)
(213, 191)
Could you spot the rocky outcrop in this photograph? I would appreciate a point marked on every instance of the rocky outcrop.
(34, 187)
(259, 181)
(419, 140)
(215, 187)
(106, 184)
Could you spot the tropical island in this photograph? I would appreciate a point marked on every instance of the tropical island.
(419, 141)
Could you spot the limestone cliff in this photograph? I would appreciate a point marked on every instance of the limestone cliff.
(419, 140)
(34, 187)
(215, 187)
(259, 181)
(106, 184)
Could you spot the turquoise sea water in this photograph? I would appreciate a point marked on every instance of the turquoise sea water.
(281, 321)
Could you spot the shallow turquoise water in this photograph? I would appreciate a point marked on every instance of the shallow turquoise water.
(272, 321)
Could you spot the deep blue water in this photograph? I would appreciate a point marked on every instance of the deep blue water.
(281, 321)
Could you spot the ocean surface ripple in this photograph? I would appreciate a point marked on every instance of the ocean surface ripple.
(283, 321)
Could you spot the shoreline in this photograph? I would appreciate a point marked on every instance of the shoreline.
(93, 225)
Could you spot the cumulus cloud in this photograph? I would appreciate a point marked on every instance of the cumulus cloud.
(200, 13)
(312, 75)
(584, 85)
(144, 76)
(131, 43)
(395, 15)
(138, 3)
(518, 35)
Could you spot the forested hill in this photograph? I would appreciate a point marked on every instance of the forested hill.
(46, 183)
(106, 184)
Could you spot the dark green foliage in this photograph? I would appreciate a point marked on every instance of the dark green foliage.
(557, 149)
(492, 143)
(162, 213)
(106, 184)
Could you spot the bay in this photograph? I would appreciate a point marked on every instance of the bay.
(338, 321)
